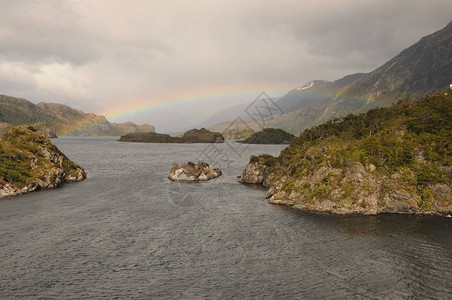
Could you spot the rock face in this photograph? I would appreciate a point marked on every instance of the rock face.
(193, 172)
(391, 160)
(269, 136)
(256, 170)
(30, 162)
(192, 136)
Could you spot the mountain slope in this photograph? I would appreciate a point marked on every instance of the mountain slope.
(313, 92)
(303, 107)
(65, 120)
(425, 66)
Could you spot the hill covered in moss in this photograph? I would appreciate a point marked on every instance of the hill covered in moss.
(191, 136)
(30, 162)
(396, 159)
(64, 119)
(269, 136)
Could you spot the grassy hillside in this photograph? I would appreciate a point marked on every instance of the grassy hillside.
(269, 136)
(191, 136)
(65, 120)
(29, 161)
(393, 159)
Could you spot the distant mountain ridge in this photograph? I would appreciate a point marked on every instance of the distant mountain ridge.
(313, 91)
(415, 71)
(303, 107)
(65, 120)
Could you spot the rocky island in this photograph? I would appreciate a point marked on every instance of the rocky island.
(396, 159)
(193, 172)
(192, 136)
(30, 162)
(269, 136)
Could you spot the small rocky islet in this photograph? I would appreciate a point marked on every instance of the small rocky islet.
(396, 159)
(191, 136)
(200, 171)
(30, 162)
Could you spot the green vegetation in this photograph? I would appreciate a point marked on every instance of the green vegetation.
(26, 155)
(269, 136)
(63, 119)
(415, 134)
(238, 133)
(192, 136)
(404, 149)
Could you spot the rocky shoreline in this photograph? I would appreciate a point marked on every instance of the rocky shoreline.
(388, 160)
(371, 200)
(30, 162)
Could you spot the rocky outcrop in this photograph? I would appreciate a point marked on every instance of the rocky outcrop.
(358, 190)
(256, 170)
(394, 161)
(192, 136)
(193, 172)
(269, 136)
(30, 162)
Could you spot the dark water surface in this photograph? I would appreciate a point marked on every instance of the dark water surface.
(128, 232)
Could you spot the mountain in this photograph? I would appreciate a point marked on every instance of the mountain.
(304, 107)
(224, 115)
(395, 159)
(313, 92)
(425, 66)
(65, 120)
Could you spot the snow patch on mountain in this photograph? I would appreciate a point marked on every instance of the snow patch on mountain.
(313, 83)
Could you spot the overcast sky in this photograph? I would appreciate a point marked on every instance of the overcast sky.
(106, 56)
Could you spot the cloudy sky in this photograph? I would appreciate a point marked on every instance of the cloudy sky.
(174, 63)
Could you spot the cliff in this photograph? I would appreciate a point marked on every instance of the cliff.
(396, 159)
(30, 162)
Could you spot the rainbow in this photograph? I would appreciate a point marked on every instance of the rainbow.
(187, 97)
(192, 96)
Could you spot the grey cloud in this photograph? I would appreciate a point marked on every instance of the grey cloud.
(104, 53)
(377, 28)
